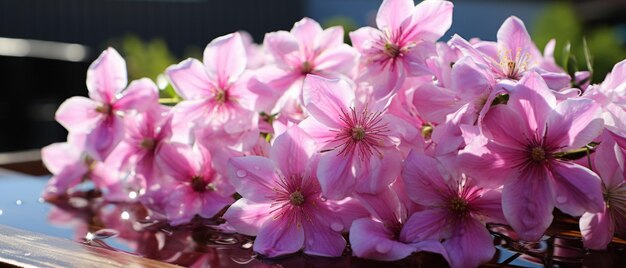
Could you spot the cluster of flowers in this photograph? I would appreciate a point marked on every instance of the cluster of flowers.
(407, 143)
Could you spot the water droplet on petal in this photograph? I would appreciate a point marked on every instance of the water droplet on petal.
(247, 245)
(241, 173)
(125, 215)
(561, 199)
(336, 226)
(132, 195)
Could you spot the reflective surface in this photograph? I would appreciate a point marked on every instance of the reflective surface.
(85, 218)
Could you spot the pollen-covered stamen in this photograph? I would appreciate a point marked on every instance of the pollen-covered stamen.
(198, 184)
(296, 198)
(306, 68)
(459, 205)
(514, 65)
(392, 50)
(221, 96)
(362, 133)
(147, 143)
(103, 109)
(537, 154)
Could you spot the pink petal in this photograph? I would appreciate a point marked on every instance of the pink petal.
(363, 36)
(473, 236)
(429, 224)
(574, 123)
(57, 156)
(104, 137)
(489, 207)
(481, 160)
(253, 177)
(415, 60)
(335, 175)
(608, 161)
(371, 240)
(384, 206)
(507, 127)
(528, 201)
(423, 180)
(190, 79)
(327, 99)
(175, 159)
(472, 80)
(182, 205)
(616, 77)
(292, 150)
(318, 131)
(140, 95)
(513, 37)
(597, 229)
(226, 58)
(533, 100)
(212, 203)
(376, 174)
(322, 240)
(433, 103)
(247, 217)
(306, 31)
(330, 38)
(346, 211)
(341, 59)
(392, 13)
(68, 177)
(106, 76)
(578, 189)
(431, 20)
(78, 114)
(279, 237)
(281, 45)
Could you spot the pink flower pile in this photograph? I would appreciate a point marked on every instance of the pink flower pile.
(404, 143)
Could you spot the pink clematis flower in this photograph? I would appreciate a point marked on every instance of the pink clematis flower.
(358, 152)
(281, 201)
(216, 94)
(306, 49)
(70, 166)
(611, 96)
(404, 39)
(515, 55)
(456, 211)
(598, 228)
(520, 148)
(378, 237)
(197, 188)
(99, 117)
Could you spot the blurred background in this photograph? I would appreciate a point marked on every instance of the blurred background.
(46, 46)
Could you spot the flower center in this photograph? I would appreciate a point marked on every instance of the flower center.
(459, 205)
(307, 68)
(392, 50)
(198, 184)
(221, 96)
(296, 198)
(147, 143)
(514, 64)
(537, 154)
(358, 133)
(104, 109)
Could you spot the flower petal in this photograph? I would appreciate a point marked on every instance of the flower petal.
(423, 180)
(253, 177)
(190, 79)
(247, 217)
(140, 95)
(226, 58)
(327, 99)
(175, 159)
(514, 37)
(306, 31)
(429, 224)
(578, 189)
(528, 201)
(106, 76)
(336, 176)
(282, 46)
(376, 174)
(431, 20)
(371, 240)
(321, 240)
(279, 237)
(78, 114)
(292, 150)
(473, 235)
(597, 229)
(533, 101)
(392, 13)
(574, 123)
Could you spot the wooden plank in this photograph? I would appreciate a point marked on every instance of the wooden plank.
(26, 249)
(28, 162)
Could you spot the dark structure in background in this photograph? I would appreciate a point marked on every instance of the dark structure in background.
(33, 87)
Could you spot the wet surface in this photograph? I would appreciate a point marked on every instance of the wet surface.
(87, 219)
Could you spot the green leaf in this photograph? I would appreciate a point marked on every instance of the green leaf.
(588, 56)
(567, 51)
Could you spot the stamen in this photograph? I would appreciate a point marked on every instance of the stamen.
(104, 109)
(147, 143)
(392, 50)
(538, 154)
(362, 133)
(221, 96)
(198, 184)
(296, 198)
(307, 68)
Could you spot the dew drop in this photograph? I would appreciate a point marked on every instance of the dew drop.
(125, 215)
(132, 195)
(247, 245)
(241, 173)
(18, 202)
(561, 199)
(336, 226)
(41, 200)
(27, 254)
(1, 212)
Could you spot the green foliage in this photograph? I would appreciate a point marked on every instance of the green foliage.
(578, 47)
(347, 23)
